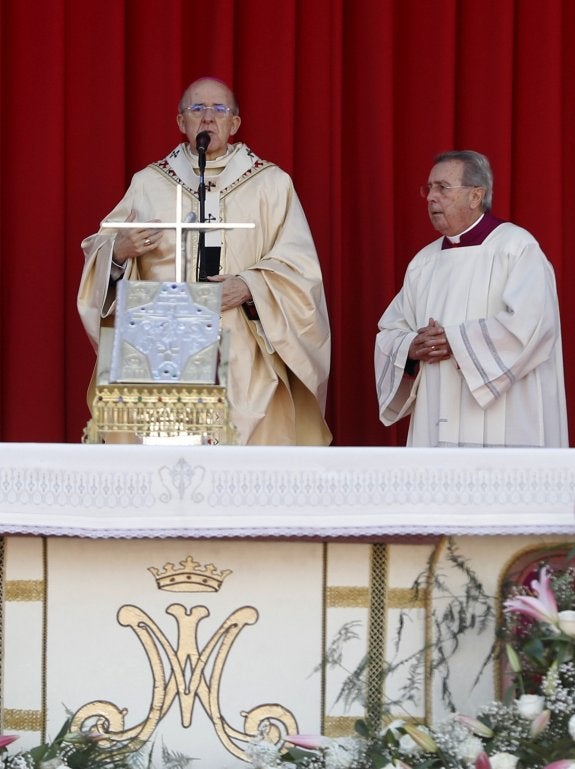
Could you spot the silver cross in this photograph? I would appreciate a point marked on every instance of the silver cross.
(178, 226)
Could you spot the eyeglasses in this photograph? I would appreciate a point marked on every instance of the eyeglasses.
(198, 110)
(441, 187)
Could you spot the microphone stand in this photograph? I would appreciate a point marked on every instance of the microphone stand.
(201, 274)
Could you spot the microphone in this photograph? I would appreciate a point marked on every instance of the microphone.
(202, 141)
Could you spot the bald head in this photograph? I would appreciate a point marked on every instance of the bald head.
(209, 81)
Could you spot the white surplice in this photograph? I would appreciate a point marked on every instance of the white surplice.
(504, 384)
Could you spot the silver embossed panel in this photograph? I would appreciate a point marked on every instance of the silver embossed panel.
(166, 332)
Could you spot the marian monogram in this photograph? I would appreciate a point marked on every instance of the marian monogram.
(186, 672)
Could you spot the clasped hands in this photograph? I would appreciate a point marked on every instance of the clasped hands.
(430, 345)
(130, 244)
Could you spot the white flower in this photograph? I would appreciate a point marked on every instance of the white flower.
(530, 705)
(408, 745)
(567, 623)
(503, 761)
(470, 748)
(262, 754)
(393, 727)
(53, 763)
(342, 754)
(571, 727)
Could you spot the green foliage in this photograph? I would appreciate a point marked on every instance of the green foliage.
(83, 750)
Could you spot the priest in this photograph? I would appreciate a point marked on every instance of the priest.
(273, 300)
(470, 348)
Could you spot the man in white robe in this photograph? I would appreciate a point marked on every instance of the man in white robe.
(470, 347)
(273, 301)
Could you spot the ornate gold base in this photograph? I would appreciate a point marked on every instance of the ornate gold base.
(148, 413)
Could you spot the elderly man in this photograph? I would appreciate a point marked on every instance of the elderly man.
(273, 301)
(471, 345)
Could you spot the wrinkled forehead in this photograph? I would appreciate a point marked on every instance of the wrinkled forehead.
(450, 171)
(209, 92)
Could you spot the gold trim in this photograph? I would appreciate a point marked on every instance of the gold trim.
(344, 726)
(428, 657)
(23, 720)
(324, 587)
(406, 598)
(339, 597)
(24, 590)
(377, 634)
(339, 726)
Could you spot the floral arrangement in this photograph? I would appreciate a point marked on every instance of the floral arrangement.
(532, 727)
(85, 750)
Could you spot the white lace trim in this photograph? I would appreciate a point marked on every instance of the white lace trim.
(252, 492)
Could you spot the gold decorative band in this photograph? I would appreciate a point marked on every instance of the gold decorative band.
(339, 597)
(23, 720)
(339, 726)
(24, 590)
(406, 598)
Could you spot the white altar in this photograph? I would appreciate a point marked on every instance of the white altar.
(189, 594)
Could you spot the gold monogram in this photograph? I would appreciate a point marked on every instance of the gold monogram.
(189, 678)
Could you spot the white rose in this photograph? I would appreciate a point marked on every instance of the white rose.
(567, 623)
(530, 705)
(503, 761)
(470, 748)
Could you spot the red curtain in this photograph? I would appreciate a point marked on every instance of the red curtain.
(352, 97)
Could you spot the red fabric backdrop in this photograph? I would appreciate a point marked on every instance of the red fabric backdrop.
(352, 97)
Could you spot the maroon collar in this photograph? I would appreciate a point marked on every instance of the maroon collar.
(476, 235)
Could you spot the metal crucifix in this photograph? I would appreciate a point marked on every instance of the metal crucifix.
(179, 225)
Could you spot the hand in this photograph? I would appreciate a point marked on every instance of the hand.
(235, 291)
(130, 244)
(430, 345)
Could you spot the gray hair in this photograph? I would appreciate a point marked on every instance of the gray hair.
(476, 171)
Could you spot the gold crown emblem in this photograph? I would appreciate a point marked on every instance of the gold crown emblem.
(191, 578)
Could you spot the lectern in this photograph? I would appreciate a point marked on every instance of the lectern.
(162, 369)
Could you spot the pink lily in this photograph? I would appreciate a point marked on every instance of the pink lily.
(482, 761)
(513, 658)
(543, 607)
(6, 739)
(307, 741)
(540, 723)
(474, 725)
(421, 738)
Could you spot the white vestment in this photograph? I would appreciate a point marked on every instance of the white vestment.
(279, 365)
(504, 384)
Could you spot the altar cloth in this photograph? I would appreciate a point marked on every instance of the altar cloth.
(227, 491)
(121, 491)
